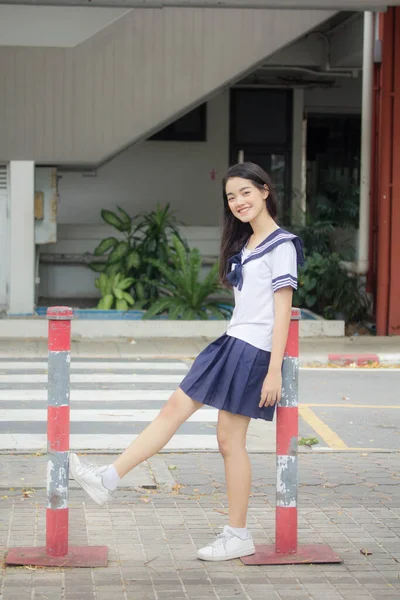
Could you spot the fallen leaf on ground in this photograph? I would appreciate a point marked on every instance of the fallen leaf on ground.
(172, 467)
(144, 500)
(365, 552)
(222, 512)
(308, 441)
(177, 487)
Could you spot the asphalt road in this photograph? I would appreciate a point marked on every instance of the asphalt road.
(113, 401)
(351, 408)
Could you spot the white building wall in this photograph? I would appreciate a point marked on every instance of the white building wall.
(84, 104)
(186, 174)
(178, 172)
(160, 172)
(156, 172)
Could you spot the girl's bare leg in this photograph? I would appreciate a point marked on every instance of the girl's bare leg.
(231, 433)
(156, 435)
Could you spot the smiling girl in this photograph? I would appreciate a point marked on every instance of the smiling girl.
(239, 373)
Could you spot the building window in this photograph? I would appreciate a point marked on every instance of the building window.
(192, 127)
(261, 132)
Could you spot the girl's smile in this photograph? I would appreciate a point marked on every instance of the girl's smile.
(245, 200)
(244, 210)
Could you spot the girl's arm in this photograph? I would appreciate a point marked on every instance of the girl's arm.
(272, 387)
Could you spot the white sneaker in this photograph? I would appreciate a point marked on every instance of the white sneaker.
(227, 546)
(90, 479)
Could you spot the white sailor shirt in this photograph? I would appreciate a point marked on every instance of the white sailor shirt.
(255, 276)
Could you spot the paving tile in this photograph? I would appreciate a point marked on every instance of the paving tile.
(153, 546)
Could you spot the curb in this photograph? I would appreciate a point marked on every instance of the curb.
(306, 359)
(356, 359)
(125, 329)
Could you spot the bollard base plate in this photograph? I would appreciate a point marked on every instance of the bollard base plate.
(306, 554)
(78, 556)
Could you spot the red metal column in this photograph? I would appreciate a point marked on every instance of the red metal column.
(59, 361)
(287, 435)
(286, 550)
(385, 174)
(394, 273)
(57, 552)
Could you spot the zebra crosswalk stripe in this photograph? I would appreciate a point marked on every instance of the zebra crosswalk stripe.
(111, 402)
(95, 395)
(100, 365)
(109, 443)
(98, 416)
(93, 378)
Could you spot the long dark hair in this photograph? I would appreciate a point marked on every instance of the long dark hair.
(235, 233)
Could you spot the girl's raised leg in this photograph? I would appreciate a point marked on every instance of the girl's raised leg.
(100, 482)
(156, 435)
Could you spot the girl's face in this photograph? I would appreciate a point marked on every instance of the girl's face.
(245, 200)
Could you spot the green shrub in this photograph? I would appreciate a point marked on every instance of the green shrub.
(183, 295)
(327, 288)
(148, 235)
(113, 292)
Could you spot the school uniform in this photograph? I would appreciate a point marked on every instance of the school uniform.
(230, 372)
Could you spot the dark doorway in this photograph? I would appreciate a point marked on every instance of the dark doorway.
(333, 166)
(261, 132)
(333, 150)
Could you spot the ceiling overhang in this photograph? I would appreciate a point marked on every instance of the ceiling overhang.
(48, 26)
(377, 5)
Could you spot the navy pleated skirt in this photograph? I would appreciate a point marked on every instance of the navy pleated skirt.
(229, 375)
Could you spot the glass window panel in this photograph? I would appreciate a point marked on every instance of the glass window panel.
(261, 117)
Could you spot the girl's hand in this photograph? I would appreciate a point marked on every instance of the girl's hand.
(272, 389)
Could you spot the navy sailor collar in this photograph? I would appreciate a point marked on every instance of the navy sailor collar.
(275, 239)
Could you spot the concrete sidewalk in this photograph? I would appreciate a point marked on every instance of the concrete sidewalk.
(351, 502)
(313, 351)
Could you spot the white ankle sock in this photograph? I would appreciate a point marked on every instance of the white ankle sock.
(111, 478)
(243, 534)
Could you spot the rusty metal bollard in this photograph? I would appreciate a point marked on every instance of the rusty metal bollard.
(58, 420)
(57, 551)
(286, 549)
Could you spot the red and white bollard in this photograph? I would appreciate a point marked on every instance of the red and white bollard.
(57, 551)
(286, 550)
(58, 420)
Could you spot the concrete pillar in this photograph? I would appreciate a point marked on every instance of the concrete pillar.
(22, 238)
(299, 159)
